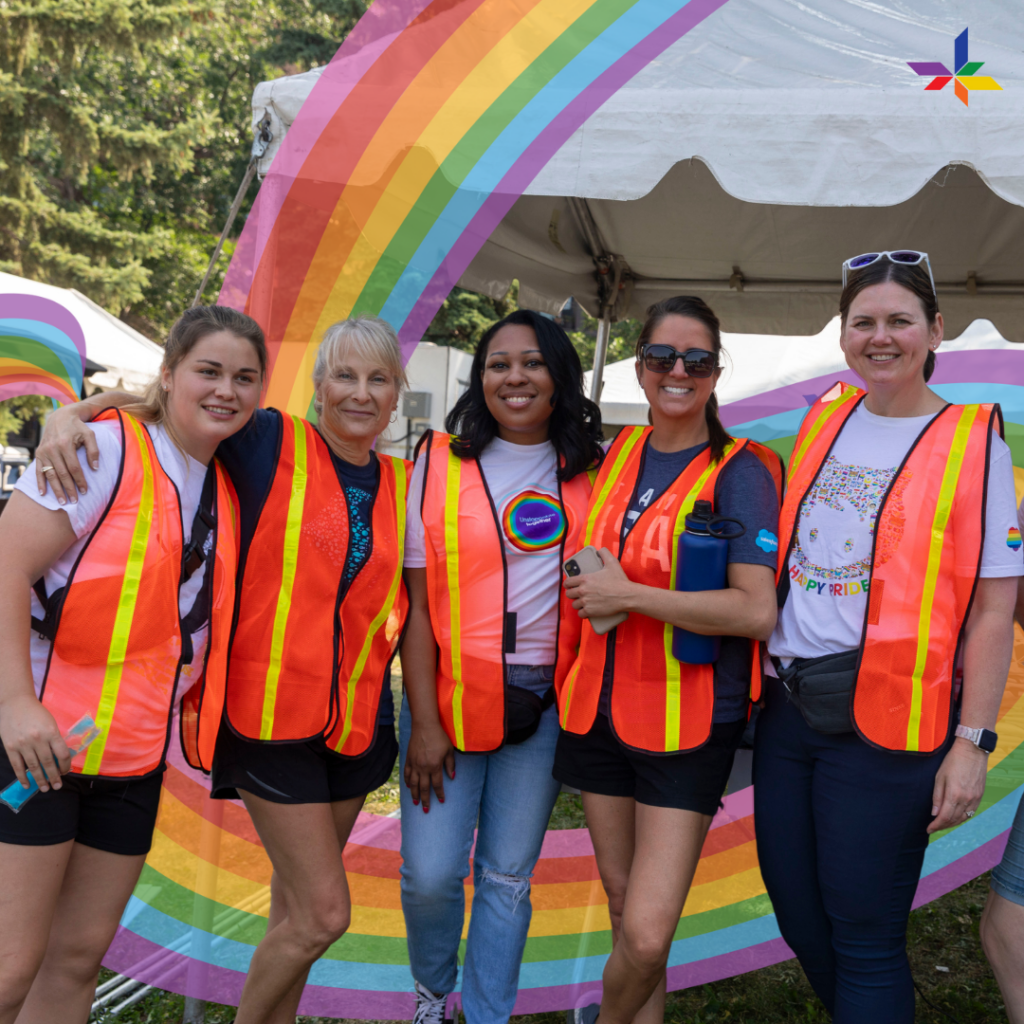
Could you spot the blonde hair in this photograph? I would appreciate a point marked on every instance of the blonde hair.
(368, 336)
(189, 329)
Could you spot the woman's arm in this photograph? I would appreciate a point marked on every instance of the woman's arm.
(988, 647)
(429, 746)
(65, 432)
(746, 607)
(32, 538)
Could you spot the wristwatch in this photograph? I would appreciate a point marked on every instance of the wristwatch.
(983, 739)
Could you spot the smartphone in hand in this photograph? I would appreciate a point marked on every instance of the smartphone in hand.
(587, 561)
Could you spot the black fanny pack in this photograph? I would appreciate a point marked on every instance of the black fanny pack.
(523, 709)
(821, 688)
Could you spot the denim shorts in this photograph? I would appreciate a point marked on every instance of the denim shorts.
(1008, 877)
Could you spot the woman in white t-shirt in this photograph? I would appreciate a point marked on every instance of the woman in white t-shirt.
(900, 553)
(133, 584)
(494, 506)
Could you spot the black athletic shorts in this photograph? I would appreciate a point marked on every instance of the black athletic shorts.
(299, 773)
(598, 762)
(112, 815)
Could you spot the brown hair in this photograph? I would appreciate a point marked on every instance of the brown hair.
(696, 309)
(913, 277)
(189, 329)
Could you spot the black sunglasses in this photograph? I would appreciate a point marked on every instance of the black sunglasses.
(697, 362)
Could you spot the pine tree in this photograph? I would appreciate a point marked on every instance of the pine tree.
(62, 115)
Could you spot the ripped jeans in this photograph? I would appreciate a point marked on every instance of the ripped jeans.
(511, 793)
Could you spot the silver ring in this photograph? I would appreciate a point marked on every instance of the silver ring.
(970, 814)
(46, 469)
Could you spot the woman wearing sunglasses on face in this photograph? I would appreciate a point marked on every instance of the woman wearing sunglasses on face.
(494, 507)
(647, 739)
(899, 555)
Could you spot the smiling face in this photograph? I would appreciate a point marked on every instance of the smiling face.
(886, 337)
(676, 396)
(212, 392)
(517, 386)
(357, 399)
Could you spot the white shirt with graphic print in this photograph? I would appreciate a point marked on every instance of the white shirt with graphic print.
(524, 486)
(831, 554)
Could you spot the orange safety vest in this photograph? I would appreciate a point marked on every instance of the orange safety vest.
(117, 649)
(658, 704)
(918, 597)
(464, 550)
(309, 654)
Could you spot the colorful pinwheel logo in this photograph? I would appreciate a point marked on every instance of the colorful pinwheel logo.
(965, 73)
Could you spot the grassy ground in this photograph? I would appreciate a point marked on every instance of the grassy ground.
(942, 935)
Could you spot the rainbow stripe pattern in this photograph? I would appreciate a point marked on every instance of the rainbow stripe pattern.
(42, 349)
(1013, 540)
(414, 143)
(533, 521)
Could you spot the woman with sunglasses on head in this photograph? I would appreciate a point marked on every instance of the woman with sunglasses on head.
(495, 505)
(117, 606)
(308, 724)
(650, 740)
(896, 585)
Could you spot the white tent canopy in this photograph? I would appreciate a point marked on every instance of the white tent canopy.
(130, 359)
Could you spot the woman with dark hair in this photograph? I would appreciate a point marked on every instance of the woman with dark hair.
(494, 505)
(650, 740)
(897, 578)
(116, 605)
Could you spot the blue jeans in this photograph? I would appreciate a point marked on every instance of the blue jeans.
(511, 792)
(841, 840)
(1008, 876)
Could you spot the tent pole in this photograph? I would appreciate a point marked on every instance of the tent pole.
(604, 327)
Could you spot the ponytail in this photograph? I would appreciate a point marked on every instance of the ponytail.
(716, 432)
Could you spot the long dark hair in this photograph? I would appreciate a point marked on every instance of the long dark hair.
(575, 425)
(696, 309)
(913, 277)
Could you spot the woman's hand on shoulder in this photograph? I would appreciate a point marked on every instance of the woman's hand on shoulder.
(429, 757)
(33, 741)
(959, 785)
(605, 592)
(57, 455)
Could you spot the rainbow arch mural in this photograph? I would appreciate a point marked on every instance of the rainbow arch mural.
(42, 349)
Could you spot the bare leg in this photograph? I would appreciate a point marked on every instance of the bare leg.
(612, 823)
(304, 843)
(667, 848)
(96, 888)
(1002, 938)
(28, 899)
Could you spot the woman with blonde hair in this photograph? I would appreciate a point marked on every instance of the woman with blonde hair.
(116, 606)
(308, 728)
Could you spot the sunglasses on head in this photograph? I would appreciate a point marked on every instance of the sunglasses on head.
(908, 257)
(697, 362)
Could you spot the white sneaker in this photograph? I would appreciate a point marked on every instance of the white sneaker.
(429, 1007)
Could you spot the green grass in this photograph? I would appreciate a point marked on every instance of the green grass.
(942, 934)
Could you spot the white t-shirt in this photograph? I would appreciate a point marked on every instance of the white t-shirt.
(188, 476)
(831, 555)
(523, 483)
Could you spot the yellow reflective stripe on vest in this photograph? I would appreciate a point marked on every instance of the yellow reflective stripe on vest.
(813, 433)
(943, 509)
(125, 605)
(401, 486)
(289, 558)
(451, 546)
(673, 684)
(598, 500)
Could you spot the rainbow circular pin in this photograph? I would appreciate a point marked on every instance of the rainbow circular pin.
(533, 521)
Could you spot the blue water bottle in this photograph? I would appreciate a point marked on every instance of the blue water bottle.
(702, 560)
